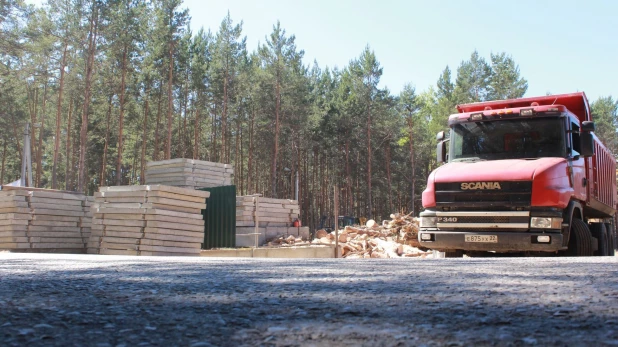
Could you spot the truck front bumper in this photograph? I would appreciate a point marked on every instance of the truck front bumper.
(506, 241)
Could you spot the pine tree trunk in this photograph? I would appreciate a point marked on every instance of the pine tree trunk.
(58, 117)
(185, 138)
(369, 195)
(388, 177)
(156, 146)
(250, 159)
(273, 168)
(170, 103)
(224, 158)
(83, 137)
(3, 162)
(214, 152)
(196, 130)
(242, 160)
(15, 132)
(103, 177)
(412, 163)
(39, 156)
(68, 149)
(121, 118)
(142, 174)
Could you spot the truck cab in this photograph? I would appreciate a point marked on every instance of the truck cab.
(524, 175)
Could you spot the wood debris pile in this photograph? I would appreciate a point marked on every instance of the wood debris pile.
(189, 173)
(393, 239)
(147, 220)
(44, 220)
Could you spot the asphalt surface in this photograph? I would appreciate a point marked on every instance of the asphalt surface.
(86, 300)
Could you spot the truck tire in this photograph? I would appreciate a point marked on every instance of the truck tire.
(611, 239)
(580, 240)
(600, 233)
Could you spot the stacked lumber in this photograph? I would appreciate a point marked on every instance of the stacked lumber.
(266, 219)
(393, 239)
(189, 173)
(269, 236)
(147, 220)
(43, 220)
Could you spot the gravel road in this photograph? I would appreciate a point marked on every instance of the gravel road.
(144, 301)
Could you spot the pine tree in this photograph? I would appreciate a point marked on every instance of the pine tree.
(505, 81)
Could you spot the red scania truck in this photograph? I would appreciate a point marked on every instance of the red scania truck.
(524, 175)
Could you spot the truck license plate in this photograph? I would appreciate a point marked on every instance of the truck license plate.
(482, 238)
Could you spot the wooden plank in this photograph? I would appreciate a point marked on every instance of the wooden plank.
(121, 246)
(169, 219)
(60, 207)
(174, 244)
(10, 216)
(177, 226)
(166, 254)
(39, 200)
(20, 233)
(13, 204)
(13, 228)
(60, 234)
(57, 195)
(120, 194)
(175, 196)
(155, 187)
(163, 169)
(43, 217)
(163, 231)
(14, 245)
(150, 211)
(5, 222)
(126, 234)
(54, 229)
(166, 249)
(22, 210)
(107, 228)
(69, 240)
(128, 216)
(12, 198)
(41, 211)
(58, 245)
(117, 252)
(164, 237)
(53, 223)
(178, 203)
(170, 161)
(5, 193)
(121, 240)
(194, 211)
(13, 239)
(119, 222)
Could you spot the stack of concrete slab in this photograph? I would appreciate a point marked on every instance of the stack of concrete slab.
(42, 220)
(147, 220)
(189, 173)
(259, 220)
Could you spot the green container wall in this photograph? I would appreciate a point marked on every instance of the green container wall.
(220, 218)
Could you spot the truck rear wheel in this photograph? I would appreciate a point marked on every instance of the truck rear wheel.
(611, 239)
(600, 233)
(580, 240)
(454, 254)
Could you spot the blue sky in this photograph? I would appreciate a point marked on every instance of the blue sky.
(560, 46)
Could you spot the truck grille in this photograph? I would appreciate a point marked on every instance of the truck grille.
(510, 194)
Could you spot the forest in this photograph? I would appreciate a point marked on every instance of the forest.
(112, 84)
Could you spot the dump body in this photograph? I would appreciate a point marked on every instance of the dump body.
(515, 173)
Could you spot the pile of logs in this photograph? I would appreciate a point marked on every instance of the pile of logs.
(44, 220)
(147, 220)
(392, 239)
(189, 173)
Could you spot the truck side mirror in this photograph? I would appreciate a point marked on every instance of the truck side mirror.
(441, 151)
(588, 126)
(440, 136)
(586, 143)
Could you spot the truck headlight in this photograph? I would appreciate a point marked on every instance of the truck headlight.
(428, 222)
(545, 223)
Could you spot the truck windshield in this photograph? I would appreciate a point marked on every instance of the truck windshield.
(507, 139)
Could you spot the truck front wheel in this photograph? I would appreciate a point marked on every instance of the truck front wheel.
(580, 239)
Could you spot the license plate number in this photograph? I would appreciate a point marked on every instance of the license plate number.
(482, 238)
